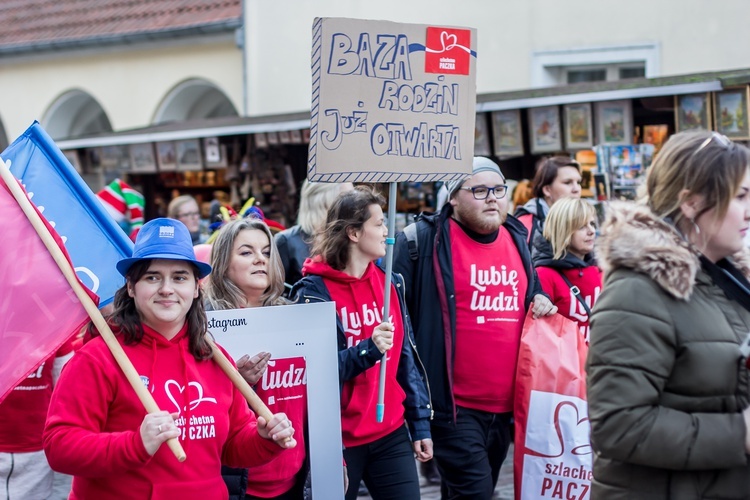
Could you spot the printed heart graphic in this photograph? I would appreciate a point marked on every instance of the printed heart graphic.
(180, 389)
(451, 38)
(566, 421)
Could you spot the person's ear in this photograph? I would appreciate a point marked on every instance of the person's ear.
(353, 234)
(131, 292)
(197, 289)
(691, 204)
(547, 190)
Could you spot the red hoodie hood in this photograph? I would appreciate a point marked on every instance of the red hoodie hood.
(318, 267)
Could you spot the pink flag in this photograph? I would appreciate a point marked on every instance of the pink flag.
(38, 309)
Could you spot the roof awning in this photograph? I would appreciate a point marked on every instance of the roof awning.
(530, 98)
(194, 129)
(611, 91)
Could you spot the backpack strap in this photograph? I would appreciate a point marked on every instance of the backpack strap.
(576, 291)
(410, 232)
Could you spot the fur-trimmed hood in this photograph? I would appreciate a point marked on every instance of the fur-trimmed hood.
(633, 237)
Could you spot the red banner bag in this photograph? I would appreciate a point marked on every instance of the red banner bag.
(552, 455)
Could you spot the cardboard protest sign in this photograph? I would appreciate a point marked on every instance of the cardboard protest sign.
(391, 102)
(290, 333)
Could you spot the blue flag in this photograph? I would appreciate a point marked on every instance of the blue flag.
(93, 240)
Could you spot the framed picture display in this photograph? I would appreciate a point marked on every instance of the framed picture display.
(284, 137)
(273, 138)
(189, 155)
(656, 135)
(481, 136)
(579, 131)
(215, 153)
(692, 111)
(261, 141)
(166, 156)
(614, 122)
(295, 136)
(544, 128)
(507, 134)
(730, 112)
(142, 159)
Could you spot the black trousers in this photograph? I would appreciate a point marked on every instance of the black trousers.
(387, 466)
(470, 453)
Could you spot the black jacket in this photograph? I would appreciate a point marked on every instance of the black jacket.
(542, 255)
(430, 297)
(356, 359)
(294, 247)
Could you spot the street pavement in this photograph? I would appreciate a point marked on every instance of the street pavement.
(503, 491)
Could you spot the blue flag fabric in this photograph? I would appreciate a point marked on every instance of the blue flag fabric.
(93, 240)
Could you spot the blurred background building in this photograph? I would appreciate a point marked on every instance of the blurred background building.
(199, 96)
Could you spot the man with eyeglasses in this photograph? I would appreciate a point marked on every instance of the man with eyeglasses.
(469, 283)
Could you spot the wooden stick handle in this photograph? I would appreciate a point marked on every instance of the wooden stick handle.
(256, 404)
(96, 316)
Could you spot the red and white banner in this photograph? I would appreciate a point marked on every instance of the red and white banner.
(552, 457)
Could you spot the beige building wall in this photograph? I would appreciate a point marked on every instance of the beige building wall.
(129, 84)
(518, 40)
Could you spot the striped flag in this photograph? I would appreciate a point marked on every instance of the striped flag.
(125, 205)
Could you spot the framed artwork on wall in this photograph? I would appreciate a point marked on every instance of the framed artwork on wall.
(507, 133)
(166, 156)
(730, 112)
(544, 129)
(481, 136)
(189, 155)
(142, 159)
(579, 132)
(614, 122)
(692, 111)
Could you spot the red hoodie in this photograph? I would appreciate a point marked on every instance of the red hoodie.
(589, 282)
(93, 424)
(359, 305)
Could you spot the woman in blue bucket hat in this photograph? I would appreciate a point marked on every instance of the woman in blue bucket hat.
(98, 431)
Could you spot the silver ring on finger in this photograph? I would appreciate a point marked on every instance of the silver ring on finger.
(159, 428)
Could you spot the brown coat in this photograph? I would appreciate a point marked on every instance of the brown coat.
(666, 385)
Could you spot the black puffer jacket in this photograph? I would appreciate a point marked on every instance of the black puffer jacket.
(294, 248)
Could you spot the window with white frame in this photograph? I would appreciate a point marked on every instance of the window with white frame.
(594, 64)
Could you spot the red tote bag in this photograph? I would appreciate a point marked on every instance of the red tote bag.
(552, 456)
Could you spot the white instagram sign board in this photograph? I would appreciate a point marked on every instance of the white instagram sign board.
(301, 330)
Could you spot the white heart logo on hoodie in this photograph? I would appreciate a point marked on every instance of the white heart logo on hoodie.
(194, 403)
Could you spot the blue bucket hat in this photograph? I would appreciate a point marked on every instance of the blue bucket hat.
(164, 239)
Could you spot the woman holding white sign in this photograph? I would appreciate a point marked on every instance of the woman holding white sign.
(247, 272)
(98, 431)
(343, 270)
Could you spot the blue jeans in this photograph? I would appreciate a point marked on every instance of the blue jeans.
(470, 453)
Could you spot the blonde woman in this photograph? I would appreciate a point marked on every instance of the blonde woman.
(247, 272)
(294, 243)
(668, 388)
(564, 259)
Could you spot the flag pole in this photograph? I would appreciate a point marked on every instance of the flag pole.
(389, 242)
(96, 316)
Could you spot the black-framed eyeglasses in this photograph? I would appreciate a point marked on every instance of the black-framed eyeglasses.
(482, 192)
